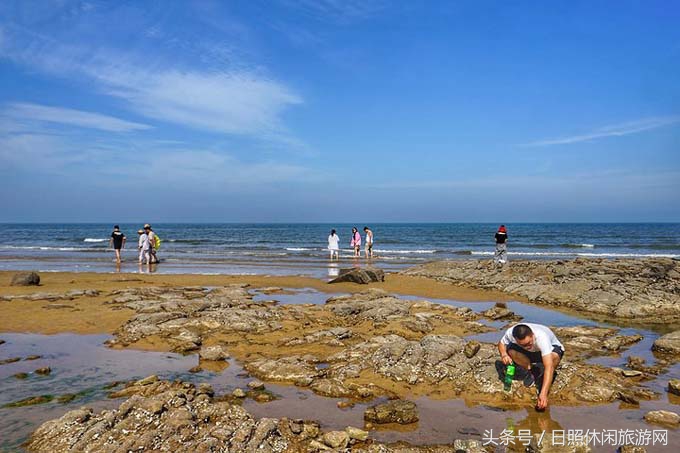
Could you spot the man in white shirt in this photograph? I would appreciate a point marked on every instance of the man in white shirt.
(535, 348)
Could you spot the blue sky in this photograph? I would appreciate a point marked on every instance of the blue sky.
(339, 110)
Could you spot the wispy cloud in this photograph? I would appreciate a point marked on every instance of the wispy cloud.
(230, 99)
(339, 10)
(79, 118)
(616, 130)
(231, 102)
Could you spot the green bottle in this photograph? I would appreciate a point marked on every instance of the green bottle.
(509, 375)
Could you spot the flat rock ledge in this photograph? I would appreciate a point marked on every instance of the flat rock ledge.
(645, 290)
(365, 345)
(178, 416)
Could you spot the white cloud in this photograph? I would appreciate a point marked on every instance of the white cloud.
(617, 130)
(35, 112)
(233, 99)
(233, 103)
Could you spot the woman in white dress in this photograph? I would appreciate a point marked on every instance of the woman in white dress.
(334, 245)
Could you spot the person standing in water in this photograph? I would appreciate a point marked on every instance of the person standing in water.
(355, 243)
(334, 245)
(369, 242)
(501, 255)
(152, 243)
(117, 241)
(144, 246)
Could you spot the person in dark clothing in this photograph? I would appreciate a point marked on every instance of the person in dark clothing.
(501, 255)
(117, 241)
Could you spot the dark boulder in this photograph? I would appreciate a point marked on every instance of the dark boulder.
(361, 276)
(26, 279)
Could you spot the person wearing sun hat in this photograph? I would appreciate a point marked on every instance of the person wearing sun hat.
(152, 242)
(501, 255)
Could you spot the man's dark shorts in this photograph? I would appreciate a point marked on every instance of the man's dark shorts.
(535, 357)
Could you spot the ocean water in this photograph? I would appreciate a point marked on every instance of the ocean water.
(278, 249)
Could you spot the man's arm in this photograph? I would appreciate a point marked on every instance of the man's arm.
(503, 349)
(124, 239)
(547, 381)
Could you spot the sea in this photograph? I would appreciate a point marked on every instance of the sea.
(301, 248)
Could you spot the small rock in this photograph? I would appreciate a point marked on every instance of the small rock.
(238, 393)
(12, 360)
(305, 381)
(631, 373)
(471, 348)
(632, 449)
(669, 343)
(264, 397)
(215, 352)
(663, 418)
(205, 389)
(336, 439)
(31, 401)
(25, 279)
(674, 386)
(43, 371)
(147, 380)
(345, 404)
(256, 385)
(397, 411)
(356, 433)
(296, 426)
(316, 445)
(33, 357)
(66, 398)
(21, 375)
(468, 446)
(195, 369)
(2, 341)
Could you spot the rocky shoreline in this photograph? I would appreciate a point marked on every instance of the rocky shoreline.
(368, 348)
(639, 290)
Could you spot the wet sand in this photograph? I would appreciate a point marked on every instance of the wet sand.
(91, 315)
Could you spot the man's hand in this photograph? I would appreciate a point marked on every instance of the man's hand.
(507, 360)
(542, 401)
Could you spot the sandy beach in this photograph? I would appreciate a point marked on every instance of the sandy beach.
(89, 314)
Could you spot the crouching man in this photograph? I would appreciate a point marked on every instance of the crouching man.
(535, 349)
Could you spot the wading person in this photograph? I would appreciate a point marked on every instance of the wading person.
(143, 246)
(535, 349)
(369, 242)
(117, 241)
(501, 254)
(152, 243)
(355, 243)
(334, 245)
